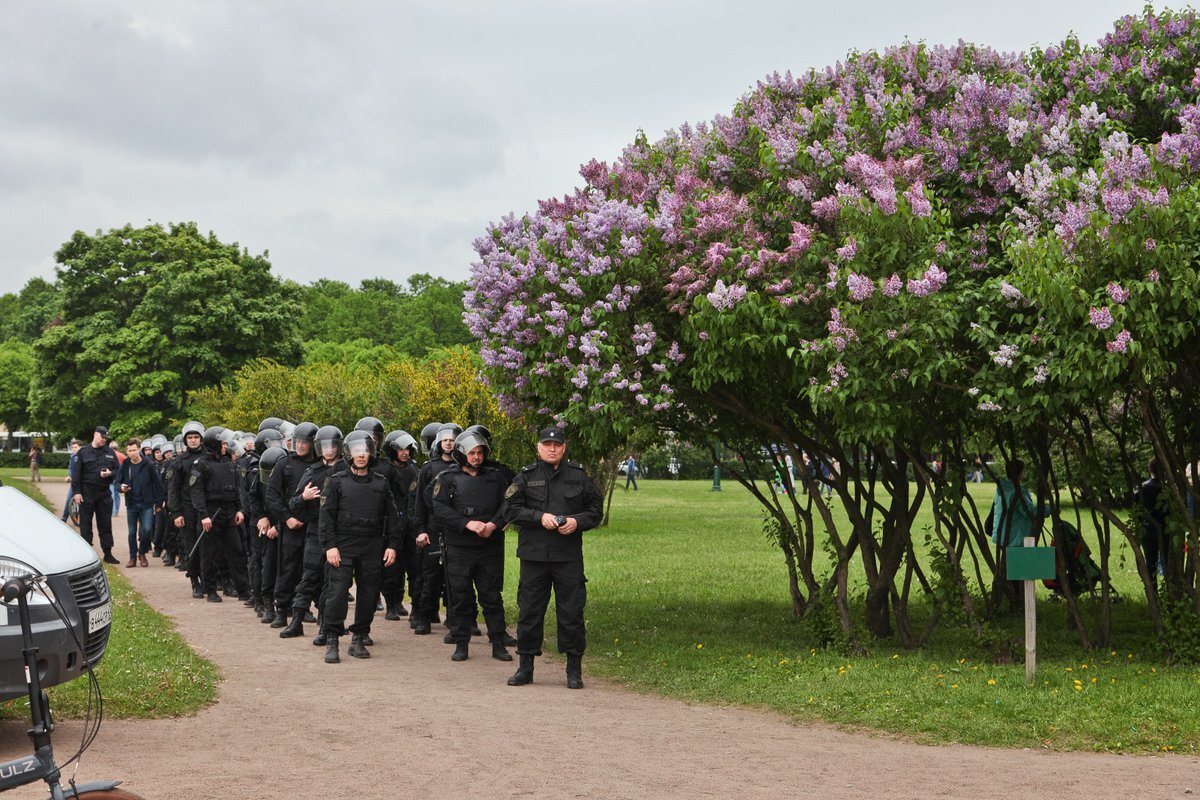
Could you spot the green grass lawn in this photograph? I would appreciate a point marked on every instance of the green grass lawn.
(688, 598)
(147, 671)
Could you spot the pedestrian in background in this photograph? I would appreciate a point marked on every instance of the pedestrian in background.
(35, 464)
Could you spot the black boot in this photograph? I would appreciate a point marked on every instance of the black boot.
(509, 640)
(197, 589)
(294, 628)
(460, 652)
(574, 671)
(321, 638)
(358, 647)
(280, 620)
(268, 612)
(524, 673)
(500, 652)
(421, 628)
(252, 602)
(169, 560)
(448, 638)
(401, 610)
(331, 651)
(109, 558)
(308, 617)
(391, 614)
(214, 597)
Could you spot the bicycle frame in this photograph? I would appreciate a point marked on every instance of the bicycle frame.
(41, 765)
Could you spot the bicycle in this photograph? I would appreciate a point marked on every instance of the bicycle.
(41, 765)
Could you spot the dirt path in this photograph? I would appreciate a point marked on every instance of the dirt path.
(409, 722)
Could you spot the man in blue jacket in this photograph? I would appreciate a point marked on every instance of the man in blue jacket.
(139, 480)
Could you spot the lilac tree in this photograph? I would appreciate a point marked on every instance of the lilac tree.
(852, 265)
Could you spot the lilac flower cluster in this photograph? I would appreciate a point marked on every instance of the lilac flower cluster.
(605, 286)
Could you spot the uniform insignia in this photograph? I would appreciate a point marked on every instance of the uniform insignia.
(412, 487)
(537, 483)
(512, 489)
(322, 499)
(192, 479)
(437, 488)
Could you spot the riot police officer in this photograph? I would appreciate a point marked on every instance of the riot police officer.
(180, 508)
(360, 532)
(429, 540)
(213, 485)
(467, 499)
(400, 450)
(552, 502)
(284, 482)
(305, 504)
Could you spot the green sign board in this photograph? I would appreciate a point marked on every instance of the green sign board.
(1030, 563)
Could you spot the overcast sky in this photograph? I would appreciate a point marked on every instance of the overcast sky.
(377, 139)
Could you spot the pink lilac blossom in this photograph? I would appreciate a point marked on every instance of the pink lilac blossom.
(861, 287)
(931, 281)
(1118, 294)
(1101, 317)
(724, 298)
(1120, 344)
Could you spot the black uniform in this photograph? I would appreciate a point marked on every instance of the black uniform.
(94, 488)
(548, 558)
(215, 494)
(358, 517)
(285, 479)
(473, 563)
(408, 472)
(179, 504)
(392, 586)
(430, 557)
(267, 558)
(312, 576)
(256, 543)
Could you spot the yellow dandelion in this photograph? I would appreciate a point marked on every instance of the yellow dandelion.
(699, 645)
(1093, 680)
(954, 686)
(991, 681)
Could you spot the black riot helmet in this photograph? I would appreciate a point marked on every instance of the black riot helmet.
(354, 443)
(448, 431)
(467, 441)
(212, 439)
(266, 464)
(428, 433)
(270, 422)
(372, 426)
(305, 431)
(396, 441)
(287, 429)
(327, 436)
(481, 430)
(268, 438)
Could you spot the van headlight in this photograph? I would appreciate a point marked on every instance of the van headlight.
(12, 568)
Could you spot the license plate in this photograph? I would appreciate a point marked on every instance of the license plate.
(99, 617)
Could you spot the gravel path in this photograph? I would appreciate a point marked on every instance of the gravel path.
(409, 722)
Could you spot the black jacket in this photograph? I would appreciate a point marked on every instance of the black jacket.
(86, 478)
(539, 489)
(459, 498)
(357, 506)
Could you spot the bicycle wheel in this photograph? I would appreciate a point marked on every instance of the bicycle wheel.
(108, 794)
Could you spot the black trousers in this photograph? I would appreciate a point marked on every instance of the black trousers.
(97, 503)
(412, 566)
(362, 564)
(475, 571)
(432, 584)
(312, 578)
(223, 539)
(392, 585)
(187, 542)
(270, 568)
(291, 564)
(533, 596)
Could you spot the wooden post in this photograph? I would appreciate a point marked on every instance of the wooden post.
(1030, 624)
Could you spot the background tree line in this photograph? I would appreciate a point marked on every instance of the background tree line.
(137, 319)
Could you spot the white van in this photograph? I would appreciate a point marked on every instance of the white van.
(71, 614)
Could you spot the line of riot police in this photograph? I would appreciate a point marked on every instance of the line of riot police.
(297, 516)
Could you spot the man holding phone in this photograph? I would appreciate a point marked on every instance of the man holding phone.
(139, 481)
(90, 485)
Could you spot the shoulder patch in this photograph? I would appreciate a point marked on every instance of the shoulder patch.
(510, 491)
(412, 487)
(192, 479)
